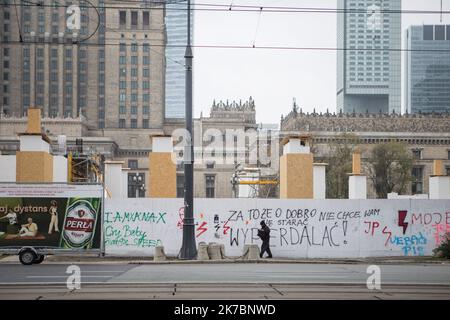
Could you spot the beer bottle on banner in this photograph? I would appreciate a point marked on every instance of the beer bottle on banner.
(79, 223)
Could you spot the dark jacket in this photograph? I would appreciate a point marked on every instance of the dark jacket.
(264, 233)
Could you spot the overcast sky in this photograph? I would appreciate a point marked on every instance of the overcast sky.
(274, 77)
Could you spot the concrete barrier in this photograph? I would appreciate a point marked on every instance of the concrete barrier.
(202, 252)
(251, 252)
(159, 254)
(214, 252)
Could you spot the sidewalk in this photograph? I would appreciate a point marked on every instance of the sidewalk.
(94, 259)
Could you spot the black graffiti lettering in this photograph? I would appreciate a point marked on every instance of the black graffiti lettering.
(305, 234)
(283, 233)
(331, 235)
(278, 212)
(234, 240)
(294, 231)
(266, 214)
(254, 214)
(326, 216)
(236, 215)
(254, 233)
(326, 236)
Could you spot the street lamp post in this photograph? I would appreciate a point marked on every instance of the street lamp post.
(188, 248)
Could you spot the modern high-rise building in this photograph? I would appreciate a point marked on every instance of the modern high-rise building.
(100, 59)
(176, 28)
(368, 57)
(427, 73)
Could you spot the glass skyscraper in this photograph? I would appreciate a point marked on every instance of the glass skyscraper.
(368, 71)
(176, 28)
(427, 73)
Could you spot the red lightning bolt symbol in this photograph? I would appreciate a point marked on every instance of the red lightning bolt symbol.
(401, 220)
(389, 237)
(225, 228)
(202, 229)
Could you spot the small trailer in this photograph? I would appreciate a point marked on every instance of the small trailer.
(39, 219)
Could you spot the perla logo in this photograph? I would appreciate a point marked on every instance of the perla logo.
(79, 224)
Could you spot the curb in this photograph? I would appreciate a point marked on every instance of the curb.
(107, 260)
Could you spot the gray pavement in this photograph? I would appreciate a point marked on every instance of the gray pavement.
(224, 281)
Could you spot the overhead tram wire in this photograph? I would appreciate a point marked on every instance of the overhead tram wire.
(240, 8)
(285, 48)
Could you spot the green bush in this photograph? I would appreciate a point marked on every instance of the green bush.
(443, 251)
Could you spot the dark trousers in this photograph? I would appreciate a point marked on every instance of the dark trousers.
(265, 248)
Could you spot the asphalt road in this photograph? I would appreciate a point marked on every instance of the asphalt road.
(224, 281)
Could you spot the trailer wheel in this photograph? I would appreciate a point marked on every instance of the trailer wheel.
(27, 257)
(39, 259)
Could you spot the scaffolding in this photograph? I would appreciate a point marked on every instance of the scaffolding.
(84, 168)
(251, 183)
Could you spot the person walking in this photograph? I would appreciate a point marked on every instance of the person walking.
(264, 234)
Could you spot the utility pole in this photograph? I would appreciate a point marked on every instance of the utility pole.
(188, 248)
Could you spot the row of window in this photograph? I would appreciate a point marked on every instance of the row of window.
(134, 109)
(134, 85)
(133, 18)
(134, 123)
(210, 186)
(134, 97)
(134, 60)
(436, 32)
(134, 72)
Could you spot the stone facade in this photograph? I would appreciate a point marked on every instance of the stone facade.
(428, 136)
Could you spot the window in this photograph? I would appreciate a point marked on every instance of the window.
(417, 182)
(122, 85)
(122, 110)
(145, 110)
(210, 165)
(123, 47)
(134, 60)
(417, 154)
(146, 72)
(180, 186)
(122, 18)
(427, 32)
(145, 19)
(6, 52)
(134, 85)
(134, 97)
(448, 154)
(134, 47)
(122, 60)
(6, 76)
(136, 185)
(134, 109)
(121, 123)
(145, 123)
(133, 164)
(146, 97)
(439, 33)
(133, 123)
(210, 182)
(146, 47)
(122, 72)
(134, 19)
(146, 85)
(134, 72)
(146, 60)
(122, 97)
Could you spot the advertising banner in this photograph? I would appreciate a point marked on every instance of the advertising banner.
(50, 215)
